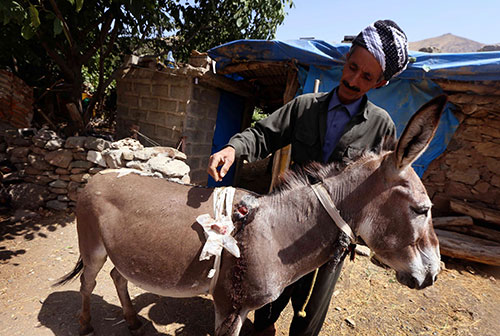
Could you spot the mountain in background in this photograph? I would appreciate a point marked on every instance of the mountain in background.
(448, 43)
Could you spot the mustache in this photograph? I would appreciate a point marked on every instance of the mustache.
(353, 88)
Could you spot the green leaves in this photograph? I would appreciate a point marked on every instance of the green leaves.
(29, 26)
(58, 27)
(35, 19)
(79, 5)
(27, 32)
(11, 10)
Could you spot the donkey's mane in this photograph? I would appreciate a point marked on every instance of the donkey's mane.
(308, 174)
(316, 172)
(312, 173)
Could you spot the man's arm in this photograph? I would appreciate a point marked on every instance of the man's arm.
(267, 136)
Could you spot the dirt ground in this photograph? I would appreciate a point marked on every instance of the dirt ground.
(368, 300)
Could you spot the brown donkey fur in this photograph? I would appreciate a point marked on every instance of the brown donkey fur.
(147, 227)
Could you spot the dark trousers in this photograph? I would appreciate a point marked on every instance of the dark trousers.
(316, 309)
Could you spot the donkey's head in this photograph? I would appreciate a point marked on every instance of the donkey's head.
(397, 223)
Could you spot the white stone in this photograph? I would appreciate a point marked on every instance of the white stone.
(168, 167)
(54, 144)
(138, 165)
(128, 155)
(96, 157)
(145, 154)
(113, 158)
(130, 143)
(150, 152)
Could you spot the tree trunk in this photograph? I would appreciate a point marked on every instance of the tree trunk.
(76, 112)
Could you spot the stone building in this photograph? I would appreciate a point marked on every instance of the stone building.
(176, 108)
(469, 169)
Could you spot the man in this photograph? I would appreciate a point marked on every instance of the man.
(324, 127)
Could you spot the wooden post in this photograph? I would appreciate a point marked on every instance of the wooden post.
(282, 157)
(440, 222)
(462, 246)
(475, 211)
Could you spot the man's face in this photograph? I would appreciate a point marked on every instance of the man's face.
(361, 73)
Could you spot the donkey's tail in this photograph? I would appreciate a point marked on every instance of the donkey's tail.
(76, 271)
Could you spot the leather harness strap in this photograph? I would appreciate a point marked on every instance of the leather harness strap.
(330, 207)
(327, 202)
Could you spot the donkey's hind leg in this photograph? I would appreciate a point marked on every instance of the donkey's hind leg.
(91, 267)
(134, 324)
(229, 324)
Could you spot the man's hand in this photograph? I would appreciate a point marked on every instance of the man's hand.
(224, 158)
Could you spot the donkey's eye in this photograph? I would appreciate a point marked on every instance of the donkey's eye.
(420, 210)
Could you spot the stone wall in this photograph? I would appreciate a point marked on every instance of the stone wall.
(169, 106)
(51, 171)
(16, 100)
(469, 169)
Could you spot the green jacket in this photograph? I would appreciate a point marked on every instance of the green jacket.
(302, 122)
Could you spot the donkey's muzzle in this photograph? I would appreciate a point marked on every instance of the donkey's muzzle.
(429, 280)
(414, 283)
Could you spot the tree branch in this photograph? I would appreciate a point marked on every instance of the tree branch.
(59, 60)
(96, 24)
(64, 23)
(102, 34)
(102, 85)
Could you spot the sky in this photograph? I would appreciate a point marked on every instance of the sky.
(330, 20)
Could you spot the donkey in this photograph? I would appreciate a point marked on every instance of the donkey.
(147, 228)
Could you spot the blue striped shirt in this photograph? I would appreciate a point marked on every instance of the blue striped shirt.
(338, 117)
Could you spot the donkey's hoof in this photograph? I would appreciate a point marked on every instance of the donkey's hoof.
(138, 329)
(86, 331)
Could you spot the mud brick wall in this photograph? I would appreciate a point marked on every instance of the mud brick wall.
(168, 106)
(16, 100)
(469, 169)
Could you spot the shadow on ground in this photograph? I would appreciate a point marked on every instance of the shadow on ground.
(478, 269)
(195, 316)
(29, 229)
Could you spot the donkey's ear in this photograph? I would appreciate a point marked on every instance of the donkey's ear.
(419, 132)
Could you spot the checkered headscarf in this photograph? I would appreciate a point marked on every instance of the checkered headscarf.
(388, 44)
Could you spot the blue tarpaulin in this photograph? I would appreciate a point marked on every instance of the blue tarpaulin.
(401, 98)
(465, 66)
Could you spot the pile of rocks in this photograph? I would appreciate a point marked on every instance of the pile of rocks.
(53, 170)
